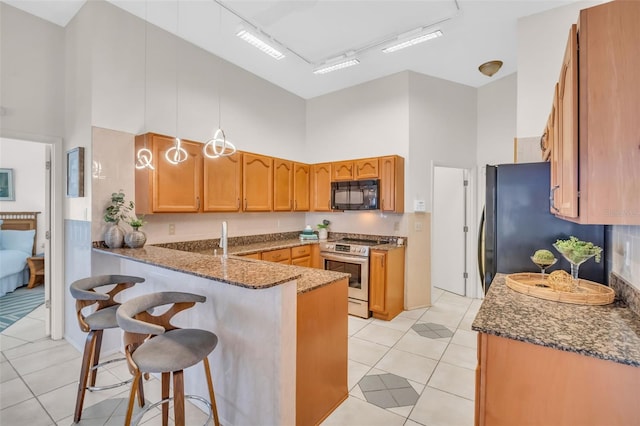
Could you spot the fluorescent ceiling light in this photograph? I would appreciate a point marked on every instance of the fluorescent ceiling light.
(255, 41)
(412, 41)
(337, 66)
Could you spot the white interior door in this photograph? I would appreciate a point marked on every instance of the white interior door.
(47, 245)
(448, 246)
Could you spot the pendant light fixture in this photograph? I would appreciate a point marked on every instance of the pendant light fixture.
(144, 156)
(219, 146)
(177, 154)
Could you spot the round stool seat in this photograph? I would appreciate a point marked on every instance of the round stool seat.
(174, 350)
(103, 318)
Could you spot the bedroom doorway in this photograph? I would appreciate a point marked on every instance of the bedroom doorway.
(35, 187)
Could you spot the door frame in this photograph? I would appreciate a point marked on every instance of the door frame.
(54, 283)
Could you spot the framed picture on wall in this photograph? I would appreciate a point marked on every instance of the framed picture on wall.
(75, 172)
(6, 185)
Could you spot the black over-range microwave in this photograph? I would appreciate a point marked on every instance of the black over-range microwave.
(355, 195)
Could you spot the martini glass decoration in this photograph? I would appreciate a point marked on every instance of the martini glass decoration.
(577, 252)
(543, 262)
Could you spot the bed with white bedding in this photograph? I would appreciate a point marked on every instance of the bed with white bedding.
(17, 244)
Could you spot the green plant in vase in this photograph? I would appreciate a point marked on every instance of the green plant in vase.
(577, 252)
(118, 210)
(135, 238)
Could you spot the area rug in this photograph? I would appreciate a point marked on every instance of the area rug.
(19, 303)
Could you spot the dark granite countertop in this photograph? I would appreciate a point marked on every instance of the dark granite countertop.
(609, 332)
(232, 270)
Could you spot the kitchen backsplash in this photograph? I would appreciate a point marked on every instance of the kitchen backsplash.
(623, 256)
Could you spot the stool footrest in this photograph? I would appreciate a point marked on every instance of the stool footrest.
(146, 409)
(112, 386)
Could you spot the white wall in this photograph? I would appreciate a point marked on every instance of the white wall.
(497, 121)
(541, 44)
(367, 120)
(31, 72)
(27, 159)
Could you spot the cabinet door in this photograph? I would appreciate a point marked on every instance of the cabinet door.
(223, 183)
(279, 256)
(282, 185)
(377, 282)
(257, 183)
(366, 168)
(342, 170)
(321, 187)
(566, 195)
(554, 157)
(392, 184)
(176, 187)
(302, 261)
(301, 185)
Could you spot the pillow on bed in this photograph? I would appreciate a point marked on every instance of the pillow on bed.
(17, 240)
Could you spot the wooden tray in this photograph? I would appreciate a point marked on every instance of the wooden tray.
(587, 293)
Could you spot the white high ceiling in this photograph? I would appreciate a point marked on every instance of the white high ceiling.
(314, 31)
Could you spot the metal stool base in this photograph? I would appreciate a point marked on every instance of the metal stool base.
(107, 387)
(145, 410)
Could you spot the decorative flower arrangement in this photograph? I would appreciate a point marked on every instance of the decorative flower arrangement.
(324, 225)
(136, 222)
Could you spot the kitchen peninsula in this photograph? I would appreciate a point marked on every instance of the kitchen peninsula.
(542, 362)
(282, 330)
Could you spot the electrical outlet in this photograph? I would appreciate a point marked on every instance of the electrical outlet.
(172, 229)
(418, 226)
(396, 226)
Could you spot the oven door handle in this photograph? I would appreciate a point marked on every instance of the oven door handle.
(342, 258)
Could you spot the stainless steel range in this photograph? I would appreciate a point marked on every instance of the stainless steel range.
(351, 256)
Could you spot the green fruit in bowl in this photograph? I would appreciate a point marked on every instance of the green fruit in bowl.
(543, 256)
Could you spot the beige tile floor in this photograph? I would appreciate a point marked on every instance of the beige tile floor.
(440, 370)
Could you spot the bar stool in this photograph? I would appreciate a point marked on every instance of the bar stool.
(153, 345)
(102, 318)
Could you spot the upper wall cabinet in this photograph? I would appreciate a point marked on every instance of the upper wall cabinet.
(366, 168)
(223, 183)
(282, 185)
(301, 185)
(599, 131)
(257, 183)
(392, 184)
(169, 188)
(321, 187)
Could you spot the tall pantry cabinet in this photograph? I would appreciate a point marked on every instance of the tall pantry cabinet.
(598, 153)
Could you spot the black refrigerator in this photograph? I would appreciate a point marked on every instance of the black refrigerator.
(517, 222)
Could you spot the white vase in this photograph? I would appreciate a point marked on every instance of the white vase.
(322, 233)
(114, 236)
(135, 238)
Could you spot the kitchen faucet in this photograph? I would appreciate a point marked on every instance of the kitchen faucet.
(223, 239)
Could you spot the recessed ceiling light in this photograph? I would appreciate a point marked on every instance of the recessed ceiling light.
(260, 44)
(404, 42)
(336, 66)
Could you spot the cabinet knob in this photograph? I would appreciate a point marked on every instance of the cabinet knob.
(245, 203)
(197, 203)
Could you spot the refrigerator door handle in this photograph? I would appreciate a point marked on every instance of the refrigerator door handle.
(481, 249)
(551, 198)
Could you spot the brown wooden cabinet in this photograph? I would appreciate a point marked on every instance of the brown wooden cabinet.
(282, 185)
(522, 383)
(301, 186)
(223, 183)
(392, 184)
(278, 256)
(257, 183)
(321, 187)
(301, 256)
(386, 283)
(169, 188)
(342, 170)
(366, 168)
(599, 88)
